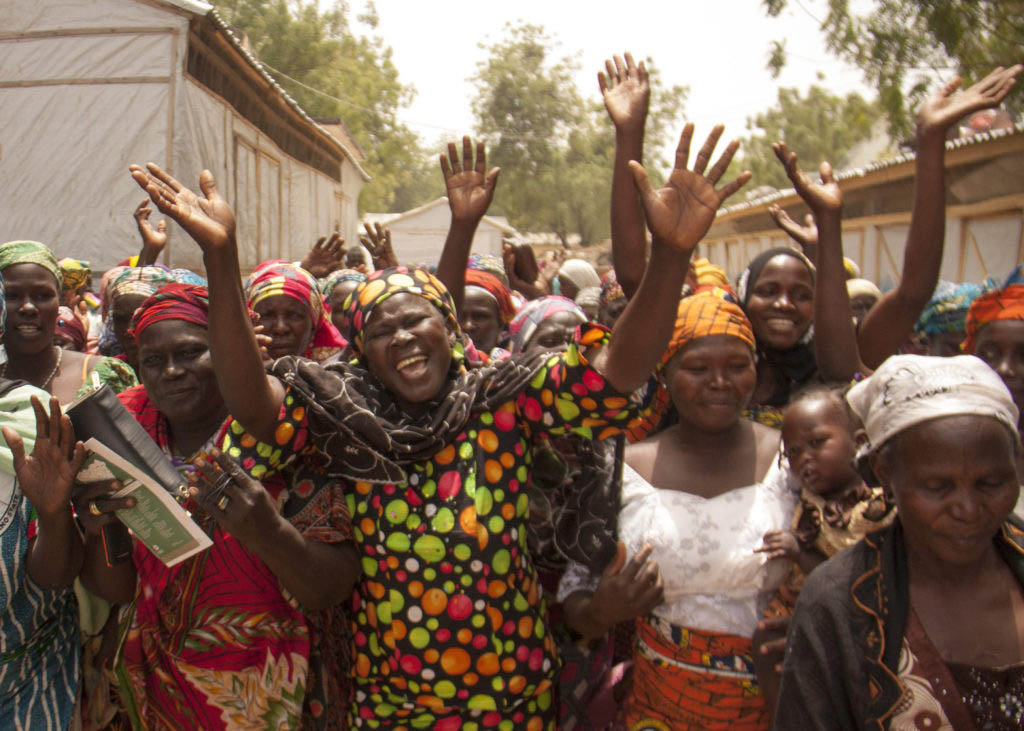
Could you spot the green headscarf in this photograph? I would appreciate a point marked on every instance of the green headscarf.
(30, 252)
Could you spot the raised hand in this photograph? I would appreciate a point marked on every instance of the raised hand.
(470, 188)
(207, 219)
(821, 197)
(681, 213)
(153, 238)
(325, 256)
(48, 474)
(806, 235)
(626, 91)
(378, 242)
(946, 107)
(238, 503)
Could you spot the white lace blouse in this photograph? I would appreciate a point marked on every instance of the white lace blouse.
(705, 549)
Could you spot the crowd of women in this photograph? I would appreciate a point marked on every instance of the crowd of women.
(506, 493)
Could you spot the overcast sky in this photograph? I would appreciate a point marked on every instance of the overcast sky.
(716, 47)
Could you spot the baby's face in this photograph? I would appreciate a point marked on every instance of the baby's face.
(819, 445)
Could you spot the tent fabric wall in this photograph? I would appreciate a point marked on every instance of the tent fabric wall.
(88, 88)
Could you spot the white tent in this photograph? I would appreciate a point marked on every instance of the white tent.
(86, 88)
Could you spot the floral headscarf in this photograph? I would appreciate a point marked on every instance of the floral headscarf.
(276, 277)
(526, 321)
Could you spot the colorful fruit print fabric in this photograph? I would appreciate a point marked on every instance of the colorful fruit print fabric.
(449, 626)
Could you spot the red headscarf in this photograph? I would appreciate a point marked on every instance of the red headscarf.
(495, 288)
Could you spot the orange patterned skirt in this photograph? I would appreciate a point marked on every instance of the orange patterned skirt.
(689, 679)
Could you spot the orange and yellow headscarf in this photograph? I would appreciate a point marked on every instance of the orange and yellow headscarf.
(1001, 304)
(703, 314)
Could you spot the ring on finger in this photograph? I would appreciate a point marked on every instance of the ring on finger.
(222, 504)
(94, 509)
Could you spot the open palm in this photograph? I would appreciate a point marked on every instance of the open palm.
(626, 91)
(946, 107)
(469, 187)
(681, 213)
(207, 219)
(48, 474)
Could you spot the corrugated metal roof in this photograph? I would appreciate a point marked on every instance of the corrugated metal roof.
(202, 9)
(860, 172)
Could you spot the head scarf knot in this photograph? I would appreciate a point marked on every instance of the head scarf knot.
(30, 252)
(276, 277)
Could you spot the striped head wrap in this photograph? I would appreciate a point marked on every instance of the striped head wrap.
(139, 280)
(281, 278)
(490, 264)
(332, 280)
(30, 252)
(526, 321)
(174, 301)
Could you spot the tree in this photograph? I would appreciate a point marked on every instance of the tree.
(902, 45)
(555, 149)
(818, 126)
(334, 70)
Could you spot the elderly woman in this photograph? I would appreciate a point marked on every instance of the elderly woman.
(33, 285)
(41, 552)
(697, 498)
(878, 639)
(291, 308)
(450, 628)
(251, 615)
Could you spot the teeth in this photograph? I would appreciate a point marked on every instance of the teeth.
(406, 362)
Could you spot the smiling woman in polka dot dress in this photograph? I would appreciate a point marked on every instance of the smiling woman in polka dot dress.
(450, 631)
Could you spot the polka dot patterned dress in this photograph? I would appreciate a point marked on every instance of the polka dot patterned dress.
(449, 627)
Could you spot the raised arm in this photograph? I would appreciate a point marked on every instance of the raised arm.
(627, 94)
(835, 340)
(888, 324)
(252, 397)
(153, 240)
(46, 477)
(325, 256)
(470, 189)
(678, 216)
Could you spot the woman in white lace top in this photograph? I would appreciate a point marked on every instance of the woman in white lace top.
(700, 496)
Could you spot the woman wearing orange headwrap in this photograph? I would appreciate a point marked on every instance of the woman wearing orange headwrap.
(702, 493)
(995, 333)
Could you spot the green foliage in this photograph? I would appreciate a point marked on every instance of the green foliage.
(556, 151)
(359, 81)
(901, 45)
(817, 126)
